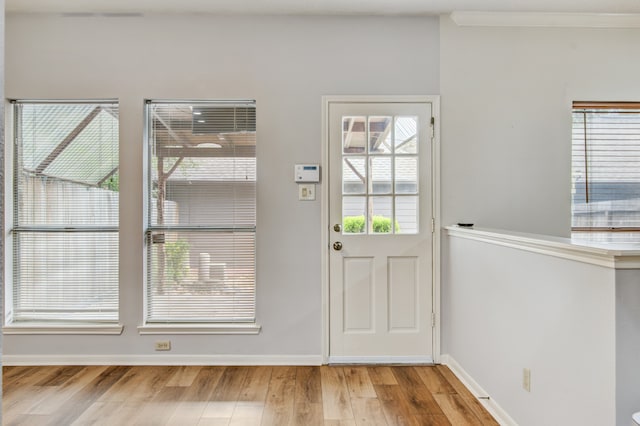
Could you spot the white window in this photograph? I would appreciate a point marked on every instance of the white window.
(606, 166)
(64, 238)
(380, 175)
(201, 203)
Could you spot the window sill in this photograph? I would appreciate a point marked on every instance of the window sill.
(226, 328)
(113, 329)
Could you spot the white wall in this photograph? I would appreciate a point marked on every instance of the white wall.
(506, 97)
(511, 309)
(286, 64)
(506, 117)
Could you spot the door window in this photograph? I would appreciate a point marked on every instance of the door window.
(380, 175)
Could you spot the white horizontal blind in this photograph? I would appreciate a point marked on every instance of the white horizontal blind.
(65, 233)
(606, 166)
(202, 212)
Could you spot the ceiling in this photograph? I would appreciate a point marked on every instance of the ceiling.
(318, 7)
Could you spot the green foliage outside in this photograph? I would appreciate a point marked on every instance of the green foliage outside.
(176, 253)
(382, 225)
(112, 184)
(356, 224)
(353, 224)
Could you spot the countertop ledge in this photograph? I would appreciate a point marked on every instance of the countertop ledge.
(617, 255)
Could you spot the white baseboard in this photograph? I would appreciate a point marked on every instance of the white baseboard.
(489, 403)
(161, 359)
(380, 360)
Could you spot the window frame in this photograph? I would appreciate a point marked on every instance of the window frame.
(12, 325)
(585, 107)
(154, 327)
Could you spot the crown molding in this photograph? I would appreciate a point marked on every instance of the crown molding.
(546, 19)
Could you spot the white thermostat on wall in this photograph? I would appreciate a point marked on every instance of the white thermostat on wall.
(307, 173)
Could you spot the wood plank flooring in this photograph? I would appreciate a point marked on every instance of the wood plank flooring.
(238, 396)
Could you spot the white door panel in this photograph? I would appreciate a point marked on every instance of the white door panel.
(380, 198)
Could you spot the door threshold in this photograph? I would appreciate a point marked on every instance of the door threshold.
(384, 360)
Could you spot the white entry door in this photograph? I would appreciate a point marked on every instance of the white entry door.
(380, 236)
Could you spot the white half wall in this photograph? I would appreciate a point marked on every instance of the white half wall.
(510, 309)
(627, 344)
(286, 64)
(506, 97)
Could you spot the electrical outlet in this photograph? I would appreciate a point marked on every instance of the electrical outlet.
(163, 345)
(526, 379)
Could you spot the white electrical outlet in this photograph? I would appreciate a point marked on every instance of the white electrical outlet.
(163, 345)
(526, 379)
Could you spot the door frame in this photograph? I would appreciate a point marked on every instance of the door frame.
(434, 100)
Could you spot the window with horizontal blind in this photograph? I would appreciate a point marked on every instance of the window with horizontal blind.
(606, 166)
(65, 213)
(201, 203)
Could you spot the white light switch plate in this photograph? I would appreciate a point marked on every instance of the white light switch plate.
(306, 192)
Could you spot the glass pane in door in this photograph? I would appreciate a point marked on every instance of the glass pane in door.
(354, 135)
(406, 135)
(406, 175)
(354, 215)
(380, 175)
(380, 135)
(406, 212)
(354, 175)
(381, 219)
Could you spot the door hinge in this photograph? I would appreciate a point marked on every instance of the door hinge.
(433, 225)
(433, 127)
(433, 320)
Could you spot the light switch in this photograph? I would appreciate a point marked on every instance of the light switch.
(306, 192)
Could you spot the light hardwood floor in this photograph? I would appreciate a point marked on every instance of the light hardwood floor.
(207, 396)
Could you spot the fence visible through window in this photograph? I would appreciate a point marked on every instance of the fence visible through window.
(65, 212)
(605, 170)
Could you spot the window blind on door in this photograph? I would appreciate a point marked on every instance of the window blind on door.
(606, 166)
(201, 212)
(65, 212)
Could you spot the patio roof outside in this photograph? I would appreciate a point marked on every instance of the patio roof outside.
(69, 141)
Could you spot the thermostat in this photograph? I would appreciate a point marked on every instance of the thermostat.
(309, 173)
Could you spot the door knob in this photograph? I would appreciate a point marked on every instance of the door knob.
(337, 246)
(336, 227)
